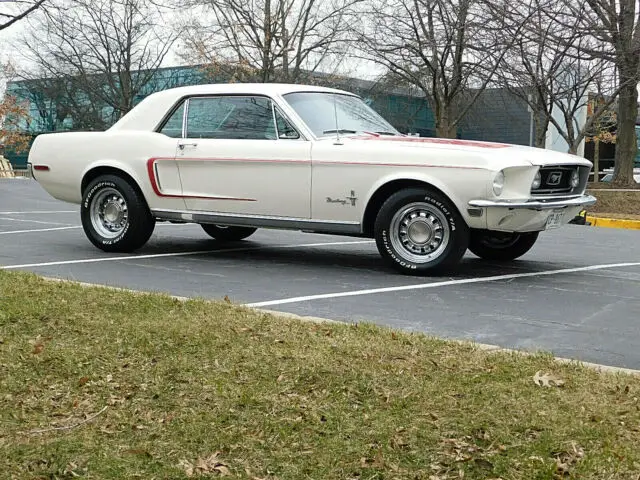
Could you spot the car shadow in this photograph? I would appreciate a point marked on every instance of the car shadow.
(359, 259)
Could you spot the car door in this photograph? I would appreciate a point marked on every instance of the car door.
(239, 155)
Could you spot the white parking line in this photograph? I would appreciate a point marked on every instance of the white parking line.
(33, 221)
(422, 286)
(37, 230)
(70, 227)
(178, 254)
(39, 212)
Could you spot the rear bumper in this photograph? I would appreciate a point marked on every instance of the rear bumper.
(532, 215)
(535, 204)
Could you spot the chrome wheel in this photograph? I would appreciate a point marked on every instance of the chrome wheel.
(419, 232)
(109, 213)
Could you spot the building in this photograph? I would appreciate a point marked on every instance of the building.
(497, 115)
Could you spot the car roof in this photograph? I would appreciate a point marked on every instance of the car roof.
(246, 88)
(147, 114)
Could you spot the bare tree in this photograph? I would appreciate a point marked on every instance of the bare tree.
(549, 67)
(601, 131)
(616, 27)
(57, 102)
(13, 116)
(449, 49)
(14, 11)
(269, 40)
(106, 52)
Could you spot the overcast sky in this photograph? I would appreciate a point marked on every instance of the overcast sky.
(9, 51)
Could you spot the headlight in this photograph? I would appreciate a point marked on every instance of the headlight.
(575, 179)
(498, 183)
(537, 180)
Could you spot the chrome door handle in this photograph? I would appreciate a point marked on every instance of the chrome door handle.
(182, 145)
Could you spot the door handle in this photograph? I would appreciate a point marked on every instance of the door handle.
(182, 145)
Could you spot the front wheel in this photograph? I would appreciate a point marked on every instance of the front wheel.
(501, 246)
(115, 216)
(227, 234)
(419, 231)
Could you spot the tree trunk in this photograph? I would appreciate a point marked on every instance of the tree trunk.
(626, 142)
(444, 128)
(596, 160)
(541, 127)
(266, 48)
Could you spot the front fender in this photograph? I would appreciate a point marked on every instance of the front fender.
(459, 186)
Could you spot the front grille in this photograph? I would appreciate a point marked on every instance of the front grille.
(554, 180)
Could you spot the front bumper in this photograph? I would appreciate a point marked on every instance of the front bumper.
(531, 215)
(535, 204)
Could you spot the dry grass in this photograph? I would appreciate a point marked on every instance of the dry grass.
(149, 387)
(619, 203)
(609, 186)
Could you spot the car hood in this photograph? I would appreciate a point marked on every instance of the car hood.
(500, 152)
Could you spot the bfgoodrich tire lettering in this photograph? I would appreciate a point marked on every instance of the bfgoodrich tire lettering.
(419, 231)
(115, 217)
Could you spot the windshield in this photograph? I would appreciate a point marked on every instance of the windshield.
(318, 111)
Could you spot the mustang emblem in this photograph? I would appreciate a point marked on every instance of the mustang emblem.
(554, 178)
(343, 201)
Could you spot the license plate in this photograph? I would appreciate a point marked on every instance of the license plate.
(554, 220)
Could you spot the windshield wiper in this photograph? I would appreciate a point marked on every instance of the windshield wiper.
(338, 131)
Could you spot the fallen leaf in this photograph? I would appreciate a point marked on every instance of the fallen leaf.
(187, 467)
(222, 470)
(280, 378)
(547, 380)
(139, 451)
(37, 348)
(82, 381)
(568, 458)
(481, 434)
(397, 442)
(203, 466)
(484, 464)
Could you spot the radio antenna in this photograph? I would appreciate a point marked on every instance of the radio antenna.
(335, 113)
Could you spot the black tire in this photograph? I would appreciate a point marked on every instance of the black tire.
(227, 234)
(134, 221)
(434, 213)
(501, 246)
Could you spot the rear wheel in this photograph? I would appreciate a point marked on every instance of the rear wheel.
(501, 246)
(419, 231)
(227, 234)
(115, 216)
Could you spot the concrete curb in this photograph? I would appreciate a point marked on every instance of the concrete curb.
(309, 319)
(613, 223)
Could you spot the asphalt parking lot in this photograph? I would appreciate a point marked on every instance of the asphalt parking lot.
(575, 294)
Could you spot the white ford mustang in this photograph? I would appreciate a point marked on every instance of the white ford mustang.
(238, 157)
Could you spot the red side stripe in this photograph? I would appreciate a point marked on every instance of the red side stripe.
(156, 190)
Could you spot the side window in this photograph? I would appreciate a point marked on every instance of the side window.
(286, 131)
(173, 126)
(244, 118)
